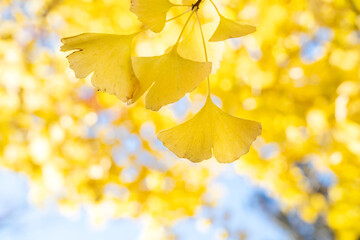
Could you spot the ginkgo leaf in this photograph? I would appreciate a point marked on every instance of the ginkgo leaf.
(151, 12)
(211, 128)
(173, 76)
(108, 56)
(188, 2)
(230, 29)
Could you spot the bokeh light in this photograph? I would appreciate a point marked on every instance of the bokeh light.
(79, 164)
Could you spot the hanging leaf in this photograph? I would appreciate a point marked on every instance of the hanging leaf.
(211, 128)
(230, 29)
(172, 77)
(108, 57)
(151, 12)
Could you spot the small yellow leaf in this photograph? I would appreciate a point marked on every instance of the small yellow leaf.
(211, 128)
(230, 29)
(151, 12)
(108, 56)
(172, 75)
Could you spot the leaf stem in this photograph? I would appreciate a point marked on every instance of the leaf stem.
(168, 20)
(202, 37)
(205, 51)
(183, 29)
(217, 10)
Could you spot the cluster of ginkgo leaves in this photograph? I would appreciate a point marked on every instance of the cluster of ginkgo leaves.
(166, 78)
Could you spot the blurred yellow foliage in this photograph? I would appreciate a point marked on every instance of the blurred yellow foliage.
(298, 75)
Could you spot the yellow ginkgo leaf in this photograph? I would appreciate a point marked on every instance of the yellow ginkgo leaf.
(173, 76)
(151, 12)
(211, 128)
(230, 29)
(188, 2)
(108, 56)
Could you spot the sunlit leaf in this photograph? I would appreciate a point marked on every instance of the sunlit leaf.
(230, 29)
(211, 128)
(108, 57)
(188, 2)
(173, 76)
(151, 12)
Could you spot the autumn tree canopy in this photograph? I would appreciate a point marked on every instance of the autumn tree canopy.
(179, 81)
